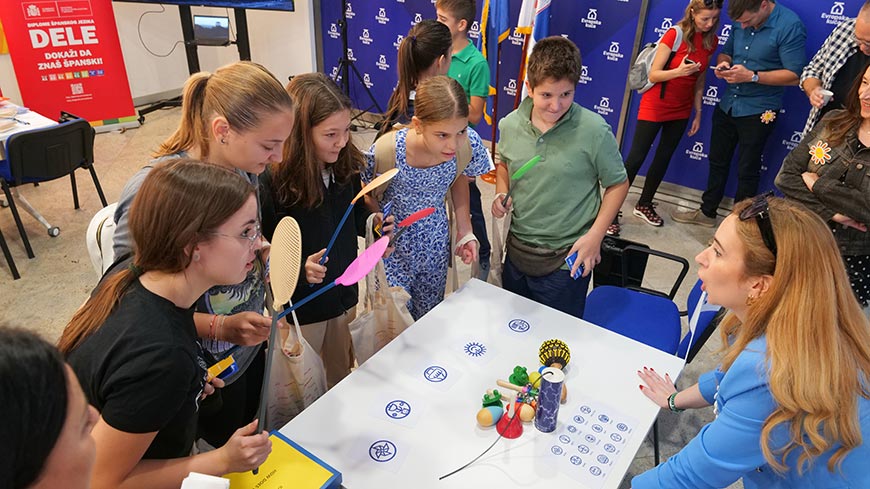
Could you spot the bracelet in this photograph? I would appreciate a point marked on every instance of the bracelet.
(220, 326)
(672, 405)
(211, 332)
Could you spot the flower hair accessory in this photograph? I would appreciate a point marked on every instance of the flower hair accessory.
(768, 116)
(820, 153)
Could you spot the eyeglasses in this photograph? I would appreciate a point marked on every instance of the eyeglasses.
(711, 3)
(251, 239)
(760, 210)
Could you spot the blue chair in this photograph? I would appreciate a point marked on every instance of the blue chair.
(45, 154)
(647, 315)
(642, 314)
(706, 322)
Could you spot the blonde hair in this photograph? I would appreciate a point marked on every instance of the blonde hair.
(440, 98)
(818, 340)
(242, 92)
(687, 24)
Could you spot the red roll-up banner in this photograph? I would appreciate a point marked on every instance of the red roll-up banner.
(67, 56)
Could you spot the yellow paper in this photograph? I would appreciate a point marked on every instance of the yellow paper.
(288, 466)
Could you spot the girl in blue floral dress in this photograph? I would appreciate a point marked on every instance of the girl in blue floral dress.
(426, 158)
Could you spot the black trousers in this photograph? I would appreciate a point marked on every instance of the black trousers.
(644, 135)
(729, 132)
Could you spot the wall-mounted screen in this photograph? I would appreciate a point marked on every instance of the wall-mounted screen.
(211, 30)
(287, 5)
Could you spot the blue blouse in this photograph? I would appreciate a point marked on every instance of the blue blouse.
(730, 446)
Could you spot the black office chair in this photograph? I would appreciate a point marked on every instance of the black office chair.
(8, 255)
(45, 154)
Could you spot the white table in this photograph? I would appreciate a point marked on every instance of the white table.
(343, 425)
(33, 119)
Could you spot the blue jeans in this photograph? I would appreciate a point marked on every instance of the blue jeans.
(478, 225)
(557, 290)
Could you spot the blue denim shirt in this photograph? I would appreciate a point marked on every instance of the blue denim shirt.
(779, 43)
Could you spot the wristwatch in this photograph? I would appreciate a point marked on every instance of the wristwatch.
(755, 77)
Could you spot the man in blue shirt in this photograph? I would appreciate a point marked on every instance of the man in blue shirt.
(764, 54)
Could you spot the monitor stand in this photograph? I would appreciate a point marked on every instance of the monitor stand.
(242, 42)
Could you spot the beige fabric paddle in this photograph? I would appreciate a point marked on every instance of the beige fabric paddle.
(285, 261)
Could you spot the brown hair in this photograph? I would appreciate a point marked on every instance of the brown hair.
(242, 92)
(420, 49)
(180, 204)
(736, 8)
(460, 9)
(440, 98)
(554, 57)
(687, 24)
(843, 122)
(297, 179)
(818, 340)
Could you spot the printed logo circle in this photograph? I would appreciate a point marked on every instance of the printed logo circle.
(616, 437)
(519, 325)
(622, 427)
(603, 418)
(572, 428)
(557, 450)
(609, 447)
(475, 349)
(579, 419)
(595, 471)
(582, 448)
(597, 428)
(398, 409)
(603, 459)
(590, 438)
(435, 374)
(585, 409)
(576, 460)
(382, 451)
(565, 439)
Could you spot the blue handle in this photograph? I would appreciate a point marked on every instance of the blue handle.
(305, 300)
(335, 234)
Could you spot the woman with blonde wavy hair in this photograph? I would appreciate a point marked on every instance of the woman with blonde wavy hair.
(791, 396)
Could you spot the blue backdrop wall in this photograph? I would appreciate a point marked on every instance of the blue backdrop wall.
(605, 32)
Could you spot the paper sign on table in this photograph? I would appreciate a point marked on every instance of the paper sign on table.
(589, 441)
(289, 465)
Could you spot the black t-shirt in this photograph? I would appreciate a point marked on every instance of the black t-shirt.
(143, 370)
(843, 80)
(317, 225)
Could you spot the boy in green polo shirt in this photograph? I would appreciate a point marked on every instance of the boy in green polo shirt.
(469, 68)
(557, 207)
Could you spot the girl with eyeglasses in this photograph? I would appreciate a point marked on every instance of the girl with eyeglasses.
(665, 108)
(237, 118)
(791, 395)
(315, 184)
(134, 344)
(827, 172)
